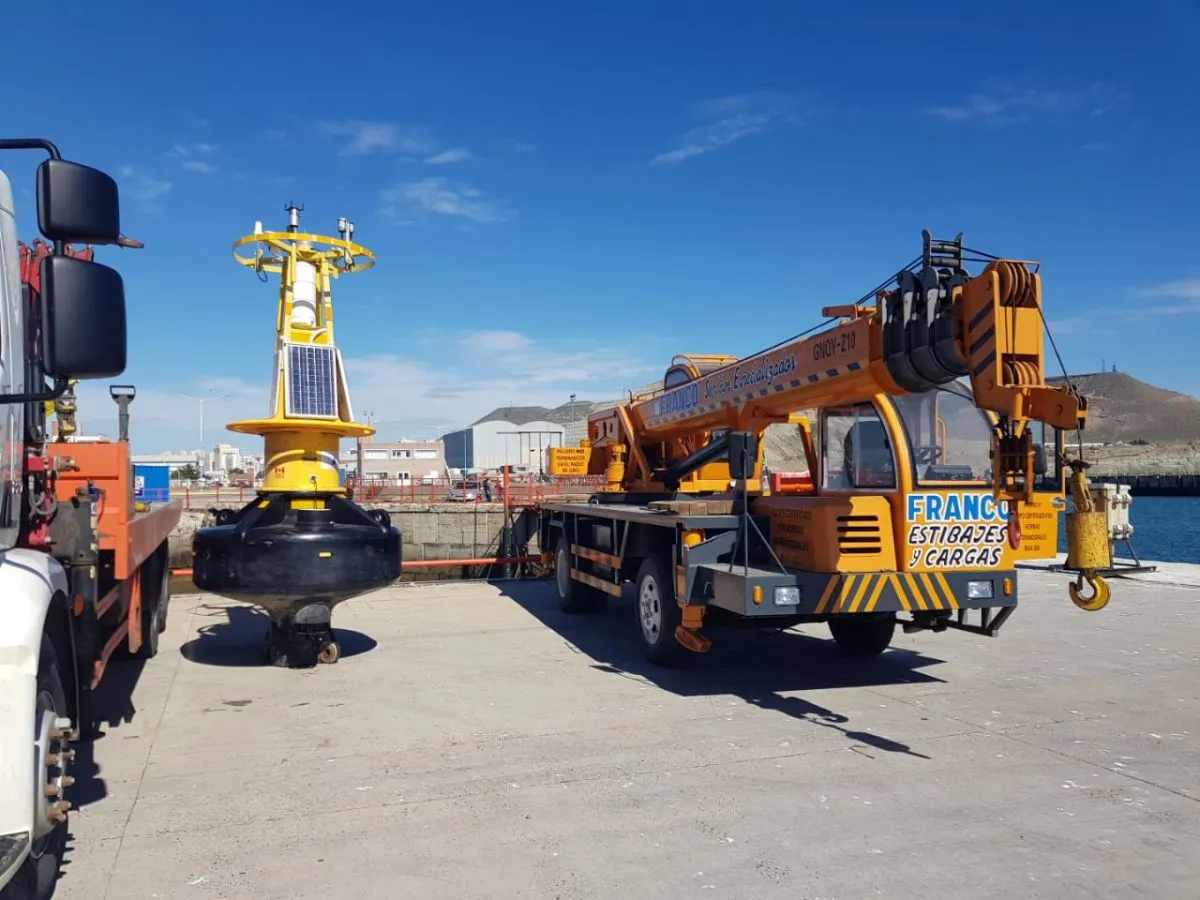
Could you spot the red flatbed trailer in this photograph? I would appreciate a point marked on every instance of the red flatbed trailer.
(130, 593)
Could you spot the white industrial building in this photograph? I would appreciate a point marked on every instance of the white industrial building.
(173, 459)
(516, 436)
(407, 462)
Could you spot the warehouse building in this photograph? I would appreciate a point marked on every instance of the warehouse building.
(516, 436)
(519, 436)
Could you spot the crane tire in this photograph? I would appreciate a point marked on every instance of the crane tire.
(574, 596)
(863, 634)
(657, 613)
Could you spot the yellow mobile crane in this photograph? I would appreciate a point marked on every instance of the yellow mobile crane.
(937, 464)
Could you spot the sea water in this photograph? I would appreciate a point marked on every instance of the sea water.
(1165, 529)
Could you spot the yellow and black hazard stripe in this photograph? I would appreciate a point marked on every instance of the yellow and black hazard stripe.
(854, 592)
(981, 339)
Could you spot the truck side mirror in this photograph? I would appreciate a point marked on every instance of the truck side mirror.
(743, 454)
(1039, 459)
(77, 204)
(83, 319)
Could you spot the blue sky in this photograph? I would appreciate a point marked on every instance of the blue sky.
(564, 195)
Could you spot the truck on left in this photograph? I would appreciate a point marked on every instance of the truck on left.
(84, 573)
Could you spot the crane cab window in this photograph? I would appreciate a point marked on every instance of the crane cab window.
(949, 437)
(675, 377)
(856, 452)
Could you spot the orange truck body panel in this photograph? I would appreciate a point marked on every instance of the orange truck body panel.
(131, 536)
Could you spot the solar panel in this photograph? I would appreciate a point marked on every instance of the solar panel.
(312, 381)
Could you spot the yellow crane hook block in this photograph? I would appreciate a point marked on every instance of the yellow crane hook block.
(1088, 547)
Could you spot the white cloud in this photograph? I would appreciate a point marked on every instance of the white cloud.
(498, 341)
(441, 197)
(1076, 325)
(366, 138)
(730, 119)
(453, 155)
(142, 188)
(407, 397)
(191, 157)
(201, 149)
(1186, 291)
(1001, 103)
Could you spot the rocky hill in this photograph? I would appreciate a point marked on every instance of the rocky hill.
(1126, 409)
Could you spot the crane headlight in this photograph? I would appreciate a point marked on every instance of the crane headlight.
(786, 596)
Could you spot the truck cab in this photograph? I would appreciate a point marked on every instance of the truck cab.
(66, 323)
(928, 456)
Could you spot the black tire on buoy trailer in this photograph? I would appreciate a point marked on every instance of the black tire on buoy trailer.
(657, 613)
(863, 634)
(574, 596)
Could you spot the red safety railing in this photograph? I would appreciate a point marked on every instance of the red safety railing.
(408, 564)
(516, 490)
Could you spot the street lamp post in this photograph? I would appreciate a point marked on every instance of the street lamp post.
(358, 477)
(202, 401)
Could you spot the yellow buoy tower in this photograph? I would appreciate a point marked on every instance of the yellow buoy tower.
(301, 546)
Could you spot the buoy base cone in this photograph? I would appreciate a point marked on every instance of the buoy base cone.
(296, 556)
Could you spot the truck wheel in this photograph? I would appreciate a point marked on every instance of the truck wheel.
(657, 613)
(573, 596)
(36, 878)
(152, 614)
(863, 634)
(164, 598)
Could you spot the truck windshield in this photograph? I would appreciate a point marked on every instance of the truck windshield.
(949, 437)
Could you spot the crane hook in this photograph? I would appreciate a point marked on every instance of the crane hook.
(1100, 591)
(1013, 526)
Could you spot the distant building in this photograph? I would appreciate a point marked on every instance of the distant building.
(225, 458)
(403, 461)
(516, 436)
(173, 459)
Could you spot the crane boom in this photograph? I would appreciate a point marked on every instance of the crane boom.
(936, 325)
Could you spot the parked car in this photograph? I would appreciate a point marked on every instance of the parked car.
(465, 490)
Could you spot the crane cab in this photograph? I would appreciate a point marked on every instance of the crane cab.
(903, 483)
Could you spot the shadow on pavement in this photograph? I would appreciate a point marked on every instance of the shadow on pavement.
(112, 707)
(757, 665)
(235, 635)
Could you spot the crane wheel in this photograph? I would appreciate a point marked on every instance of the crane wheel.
(658, 614)
(863, 634)
(574, 596)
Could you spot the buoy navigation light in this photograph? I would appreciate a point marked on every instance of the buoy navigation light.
(302, 545)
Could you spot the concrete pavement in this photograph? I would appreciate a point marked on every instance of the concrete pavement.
(475, 743)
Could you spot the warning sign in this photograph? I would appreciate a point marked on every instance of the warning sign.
(569, 460)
